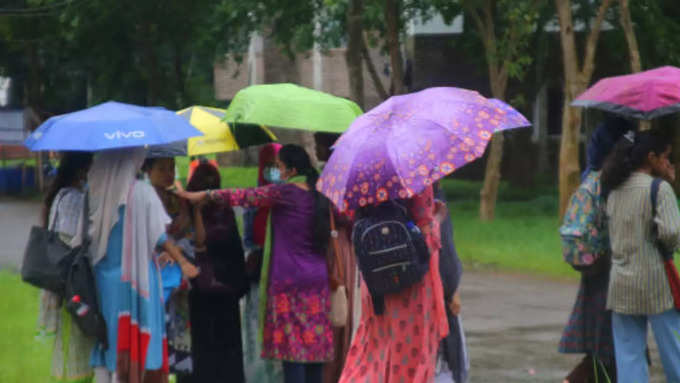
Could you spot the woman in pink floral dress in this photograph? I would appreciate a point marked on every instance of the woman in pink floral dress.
(297, 329)
(401, 345)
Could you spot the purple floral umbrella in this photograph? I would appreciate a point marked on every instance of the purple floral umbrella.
(410, 141)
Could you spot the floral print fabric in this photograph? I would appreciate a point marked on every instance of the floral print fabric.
(297, 327)
(584, 231)
(401, 345)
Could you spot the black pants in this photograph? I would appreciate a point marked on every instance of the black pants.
(216, 347)
(294, 372)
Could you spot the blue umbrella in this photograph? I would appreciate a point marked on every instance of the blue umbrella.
(174, 149)
(110, 125)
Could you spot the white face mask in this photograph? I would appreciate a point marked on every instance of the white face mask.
(273, 175)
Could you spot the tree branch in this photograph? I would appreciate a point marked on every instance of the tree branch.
(629, 31)
(392, 23)
(484, 22)
(481, 28)
(513, 40)
(591, 44)
(382, 92)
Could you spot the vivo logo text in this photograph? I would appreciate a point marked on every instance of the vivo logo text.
(117, 135)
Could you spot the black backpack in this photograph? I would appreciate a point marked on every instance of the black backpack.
(391, 251)
(80, 292)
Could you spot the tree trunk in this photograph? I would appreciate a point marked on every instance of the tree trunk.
(179, 76)
(492, 173)
(569, 144)
(570, 169)
(392, 21)
(492, 179)
(355, 36)
(575, 82)
(375, 77)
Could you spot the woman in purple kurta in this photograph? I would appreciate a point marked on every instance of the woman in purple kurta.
(297, 329)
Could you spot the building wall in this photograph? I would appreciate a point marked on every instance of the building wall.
(229, 77)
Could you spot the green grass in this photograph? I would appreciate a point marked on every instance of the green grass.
(23, 358)
(523, 238)
(17, 163)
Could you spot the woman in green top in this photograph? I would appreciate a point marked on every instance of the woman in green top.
(639, 292)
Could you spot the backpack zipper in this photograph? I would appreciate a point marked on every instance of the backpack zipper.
(378, 252)
(393, 265)
(384, 223)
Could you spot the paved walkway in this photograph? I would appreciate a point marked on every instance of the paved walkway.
(16, 219)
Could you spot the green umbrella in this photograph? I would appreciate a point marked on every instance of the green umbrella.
(293, 107)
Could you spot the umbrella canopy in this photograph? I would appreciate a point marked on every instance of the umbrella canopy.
(110, 125)
(218, 136)
(292, 107)
(408, 142)
(644, 95)
(174, 149)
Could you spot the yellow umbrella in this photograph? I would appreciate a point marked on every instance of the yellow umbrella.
(218, 136)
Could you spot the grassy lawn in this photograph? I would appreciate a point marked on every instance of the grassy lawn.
(523, 238)
(23, 358)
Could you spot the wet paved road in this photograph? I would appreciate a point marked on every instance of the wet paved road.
(16, 219)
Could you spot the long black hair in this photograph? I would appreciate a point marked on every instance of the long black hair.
(629, 155)
(295, 157)
(71, 167)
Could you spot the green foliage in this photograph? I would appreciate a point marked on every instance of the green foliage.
(658, 31)
(145, 52)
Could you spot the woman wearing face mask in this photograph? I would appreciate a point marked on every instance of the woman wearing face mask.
(161, 175)
(63, 213)
(639, 291)
(255, 231)
(295, 296)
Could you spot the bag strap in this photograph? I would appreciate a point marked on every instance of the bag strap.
(336, 245)
(656, 183)
(51, 225)
(86, 219)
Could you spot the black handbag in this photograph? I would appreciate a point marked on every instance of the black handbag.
(81, 289)
(47, 258)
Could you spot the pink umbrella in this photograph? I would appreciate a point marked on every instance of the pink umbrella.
(645, 95)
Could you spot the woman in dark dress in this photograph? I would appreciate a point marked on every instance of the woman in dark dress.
(214, 298)
(589, 328)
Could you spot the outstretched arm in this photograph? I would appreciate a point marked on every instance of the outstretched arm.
(264, 196)
(173, 252)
